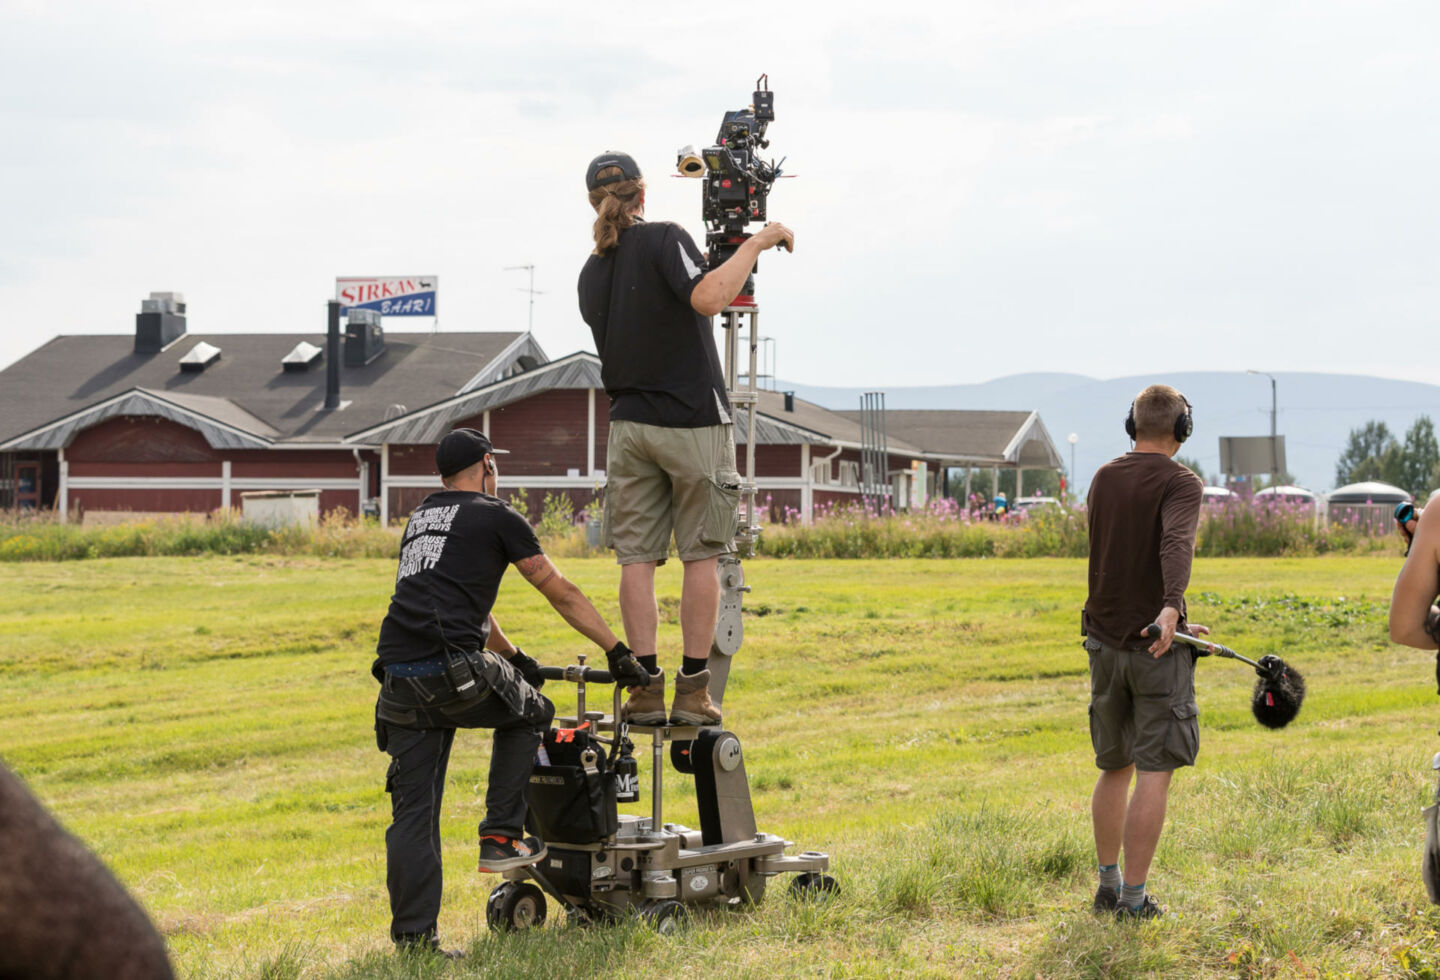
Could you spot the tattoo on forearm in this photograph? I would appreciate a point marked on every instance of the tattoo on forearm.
(536, 569)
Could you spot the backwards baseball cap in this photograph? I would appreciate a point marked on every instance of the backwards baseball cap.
(460, 450)
(629, 169)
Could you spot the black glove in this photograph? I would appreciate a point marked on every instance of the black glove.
(625, 668)
(528, 667)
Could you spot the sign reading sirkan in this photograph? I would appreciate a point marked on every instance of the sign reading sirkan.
(391, 295)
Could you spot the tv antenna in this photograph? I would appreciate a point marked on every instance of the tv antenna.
(528, 289)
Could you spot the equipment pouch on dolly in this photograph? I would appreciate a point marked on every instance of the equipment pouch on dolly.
(572, 800)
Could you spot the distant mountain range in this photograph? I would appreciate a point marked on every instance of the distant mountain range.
(1316, 411)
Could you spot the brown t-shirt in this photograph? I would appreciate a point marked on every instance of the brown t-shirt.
(1144, 509)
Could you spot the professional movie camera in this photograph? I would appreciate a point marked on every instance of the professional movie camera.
(737, 180)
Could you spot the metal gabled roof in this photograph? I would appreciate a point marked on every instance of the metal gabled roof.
(970, 437)
(70, 373)
(580, 370)
(524, 353)
(224, 424)
(775, 432)
(429, 424)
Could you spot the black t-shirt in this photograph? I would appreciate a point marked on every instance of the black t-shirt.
(657, 355)
(452, 556)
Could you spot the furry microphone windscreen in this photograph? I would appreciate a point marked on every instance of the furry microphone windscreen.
(1279, 693)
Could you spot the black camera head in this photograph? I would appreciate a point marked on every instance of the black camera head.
(737, 180)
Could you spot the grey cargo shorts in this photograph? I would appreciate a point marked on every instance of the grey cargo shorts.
(1142, 709)
(662, 480)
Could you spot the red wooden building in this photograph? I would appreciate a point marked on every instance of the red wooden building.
(167, 421)
(553, 421)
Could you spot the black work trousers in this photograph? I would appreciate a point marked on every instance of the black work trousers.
(419, 749)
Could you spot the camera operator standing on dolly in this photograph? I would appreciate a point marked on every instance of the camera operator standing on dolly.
(647, 294)
(437, 674)
(1144, 509)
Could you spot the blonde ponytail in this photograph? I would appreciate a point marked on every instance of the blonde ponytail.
(616, 206)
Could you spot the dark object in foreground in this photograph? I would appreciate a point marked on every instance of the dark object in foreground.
(1279, 692)
(65, 914)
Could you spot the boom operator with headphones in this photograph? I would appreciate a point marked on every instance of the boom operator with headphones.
(1184, 422)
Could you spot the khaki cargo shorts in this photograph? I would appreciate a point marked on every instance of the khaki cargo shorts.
(1142, 709)
(661, 480)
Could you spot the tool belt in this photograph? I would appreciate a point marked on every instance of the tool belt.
(436, 693)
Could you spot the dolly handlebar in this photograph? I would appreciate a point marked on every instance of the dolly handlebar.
(1153, 632)
(576, 674)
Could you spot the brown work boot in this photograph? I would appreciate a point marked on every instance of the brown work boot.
(692, 701)
(646, 705)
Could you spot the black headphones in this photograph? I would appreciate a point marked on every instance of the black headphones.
(1184, 422)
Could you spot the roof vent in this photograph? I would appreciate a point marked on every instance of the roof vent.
(164, 303)
(364, 336)
(395, 411)
(201, 356)
(303, 357)
(160, 322)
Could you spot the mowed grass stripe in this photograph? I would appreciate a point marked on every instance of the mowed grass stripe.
(205, 724)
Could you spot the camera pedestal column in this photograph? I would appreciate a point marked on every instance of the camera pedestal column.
(729, 627)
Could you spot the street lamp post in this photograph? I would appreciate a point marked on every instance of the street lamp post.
(1274, 461)
(1072, 438)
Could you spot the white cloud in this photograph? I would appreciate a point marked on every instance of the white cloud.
(982, 188)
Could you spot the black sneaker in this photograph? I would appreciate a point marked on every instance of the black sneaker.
(1148, 909)
(504, 853)
(1107, 899)
(426, 946)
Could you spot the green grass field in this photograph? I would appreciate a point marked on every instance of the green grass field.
(205, 724)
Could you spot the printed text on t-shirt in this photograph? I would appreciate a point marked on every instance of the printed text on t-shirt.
(425, 540)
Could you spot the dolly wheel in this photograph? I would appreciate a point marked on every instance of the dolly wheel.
(515, 905)
(666, 916)
(812, 884)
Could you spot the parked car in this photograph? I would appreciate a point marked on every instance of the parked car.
(1031, 503)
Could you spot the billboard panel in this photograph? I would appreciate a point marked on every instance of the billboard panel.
(390, 295)
(1248, 455)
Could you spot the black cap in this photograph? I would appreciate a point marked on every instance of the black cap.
(629, 169)
(460, 450)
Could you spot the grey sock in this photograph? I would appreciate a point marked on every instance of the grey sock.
(1132, 896)
(1110, 876)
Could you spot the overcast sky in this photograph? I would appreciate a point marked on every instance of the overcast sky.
(1109, 187)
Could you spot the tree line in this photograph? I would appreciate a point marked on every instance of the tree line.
(1373, 453)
